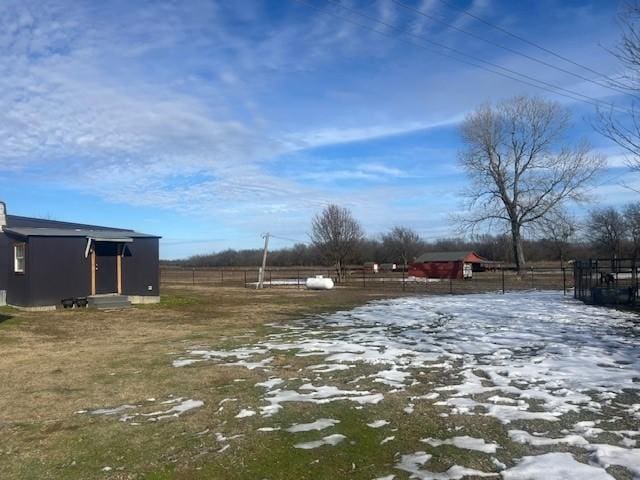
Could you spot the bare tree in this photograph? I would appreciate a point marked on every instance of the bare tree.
(336, 234)
(632, 219)
(623, 127)
(560, 228)
(520, 169)
(402, 243)
(607, 229)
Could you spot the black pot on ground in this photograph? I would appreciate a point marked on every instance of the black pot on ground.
(82, 302)
(67, 302)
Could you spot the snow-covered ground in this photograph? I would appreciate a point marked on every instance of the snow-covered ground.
(132, 412)
(533, 358)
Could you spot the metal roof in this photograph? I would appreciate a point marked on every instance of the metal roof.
(106, 235)
(449, 257)
(16, 221)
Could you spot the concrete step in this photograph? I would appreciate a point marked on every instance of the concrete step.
(109, 302)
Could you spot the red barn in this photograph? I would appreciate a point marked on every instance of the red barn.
(455, 265)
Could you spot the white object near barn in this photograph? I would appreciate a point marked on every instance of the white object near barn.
(319, 283)
(372, 267)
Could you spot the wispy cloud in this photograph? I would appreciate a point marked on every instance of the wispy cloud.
(203, 109)
(334, 136)
(372, 172)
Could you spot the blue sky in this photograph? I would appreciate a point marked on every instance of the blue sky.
(210, 122)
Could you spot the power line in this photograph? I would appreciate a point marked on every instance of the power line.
(540, 84)
(610, 82)
(529, 42)
(288, 239)
(607, 181)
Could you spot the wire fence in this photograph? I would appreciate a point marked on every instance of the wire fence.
(559, 278)
(607, 281)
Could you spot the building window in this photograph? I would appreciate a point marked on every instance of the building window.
(18, 257)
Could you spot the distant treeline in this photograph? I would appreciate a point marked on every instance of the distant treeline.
(497, 248)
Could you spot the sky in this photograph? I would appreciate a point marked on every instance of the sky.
(212, 122)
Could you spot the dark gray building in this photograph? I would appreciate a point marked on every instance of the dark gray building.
(43, 262)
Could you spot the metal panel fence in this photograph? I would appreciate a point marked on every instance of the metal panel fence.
(606, 281)
(497, 280)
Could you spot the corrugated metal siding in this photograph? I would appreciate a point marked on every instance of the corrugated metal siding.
(18, 285)
(58, 270)
(4, 261)
(437, 270)
(141, 267)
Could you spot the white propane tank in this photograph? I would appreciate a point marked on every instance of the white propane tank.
(319, 283)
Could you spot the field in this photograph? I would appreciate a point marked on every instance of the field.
(544, 275)
(230, 383)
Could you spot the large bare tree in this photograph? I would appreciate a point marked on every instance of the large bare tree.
(403, 243)
(622, 125)
(632, 220)
(607, 230)
(520, 167)
(336, 234)
(560, 228)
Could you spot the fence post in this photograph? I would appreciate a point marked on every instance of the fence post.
(193, 276)
(298, 275)
(222, 277)
(364, 278)
(531, 268)
(564, 281)
(270, 284)
(502, 280)
(450, 285)
(245, 279)
(634, 280)
(403, 273)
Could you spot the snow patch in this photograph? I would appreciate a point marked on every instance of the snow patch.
(465, 442)
(268, 429)
(520, 436)
(245, 413)
(546, 358)
(271, 383)
(320, 395)
(332, 440)
(413, 462)
(109, 411)
(319, 424)
(554, 466)
(377, 423)
(175, 411)
(607, 455)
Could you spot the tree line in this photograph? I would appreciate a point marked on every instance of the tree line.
(492, 247)
(615, 232)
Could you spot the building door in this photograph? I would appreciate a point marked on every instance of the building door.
(106, 267)
(467, 270)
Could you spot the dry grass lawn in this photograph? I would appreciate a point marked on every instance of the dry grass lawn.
(56, 363)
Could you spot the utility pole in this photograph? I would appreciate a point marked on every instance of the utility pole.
(264, 260)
